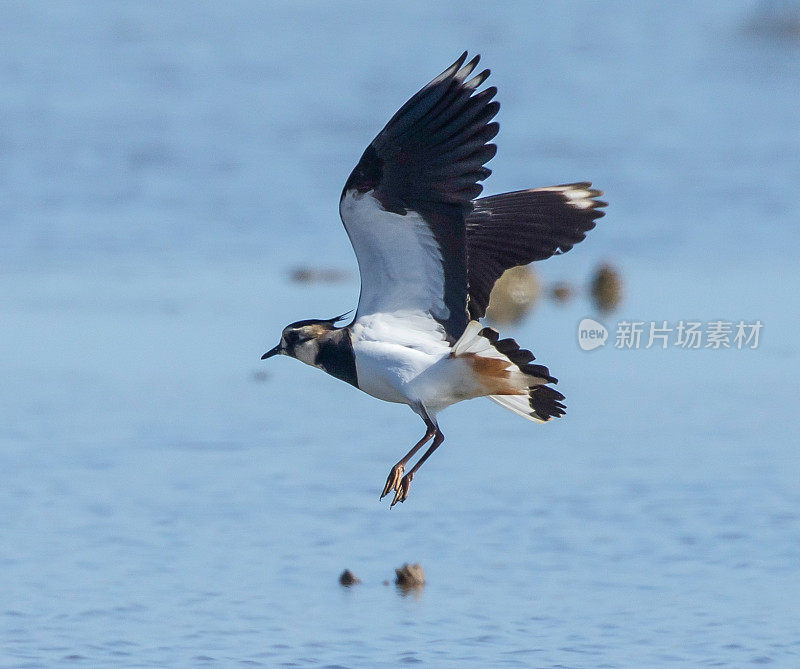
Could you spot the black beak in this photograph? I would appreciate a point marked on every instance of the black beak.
(271, 352)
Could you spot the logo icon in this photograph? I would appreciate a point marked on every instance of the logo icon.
(591, 334)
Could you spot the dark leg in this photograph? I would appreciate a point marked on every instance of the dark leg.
(405, 484)
(393, 481)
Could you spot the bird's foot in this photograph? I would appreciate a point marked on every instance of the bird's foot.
(402, 490)
(393, 481)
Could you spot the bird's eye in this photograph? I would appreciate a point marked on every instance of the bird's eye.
(295, 337)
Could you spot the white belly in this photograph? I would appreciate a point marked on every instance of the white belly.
(405, 358)
(405, 375)
(388, 371)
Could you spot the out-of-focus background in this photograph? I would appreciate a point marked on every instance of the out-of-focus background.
(169, 179)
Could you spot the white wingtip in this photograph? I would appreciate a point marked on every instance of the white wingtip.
(577, 195)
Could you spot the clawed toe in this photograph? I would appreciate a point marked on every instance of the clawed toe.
(393, 480)
(396, 480)
(402, 490)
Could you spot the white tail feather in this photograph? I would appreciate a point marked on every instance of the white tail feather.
(518, 404)
(471, 341)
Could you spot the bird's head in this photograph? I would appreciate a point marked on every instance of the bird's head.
(302, 339)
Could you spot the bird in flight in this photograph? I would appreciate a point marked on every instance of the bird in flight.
(429, 251)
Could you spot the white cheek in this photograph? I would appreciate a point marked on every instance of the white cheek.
(306, 352)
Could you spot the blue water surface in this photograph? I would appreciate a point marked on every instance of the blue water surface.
(169, 500)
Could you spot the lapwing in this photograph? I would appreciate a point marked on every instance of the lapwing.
(429, 251)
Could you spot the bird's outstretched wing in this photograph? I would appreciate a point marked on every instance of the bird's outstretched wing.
(517, 228)
(405, 203)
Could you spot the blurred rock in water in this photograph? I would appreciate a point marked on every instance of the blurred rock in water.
(775, 18)
(561, 291)
(348, 578)
(410, 576)
(318, 275)
(513, 295)
(260, 376)
(607, 288)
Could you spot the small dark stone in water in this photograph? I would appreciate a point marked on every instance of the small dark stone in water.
(607, 288)
(260, 376)
(318, 275)
(410, 576)
(348, 578)
(562, 291)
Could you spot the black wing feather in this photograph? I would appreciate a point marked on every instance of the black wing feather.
(429, 159)
(512, 229)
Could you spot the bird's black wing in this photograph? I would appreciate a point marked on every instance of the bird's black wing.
(512, 229)
(405, 203)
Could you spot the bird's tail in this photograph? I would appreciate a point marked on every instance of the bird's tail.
(509, 373)
(540, 405)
